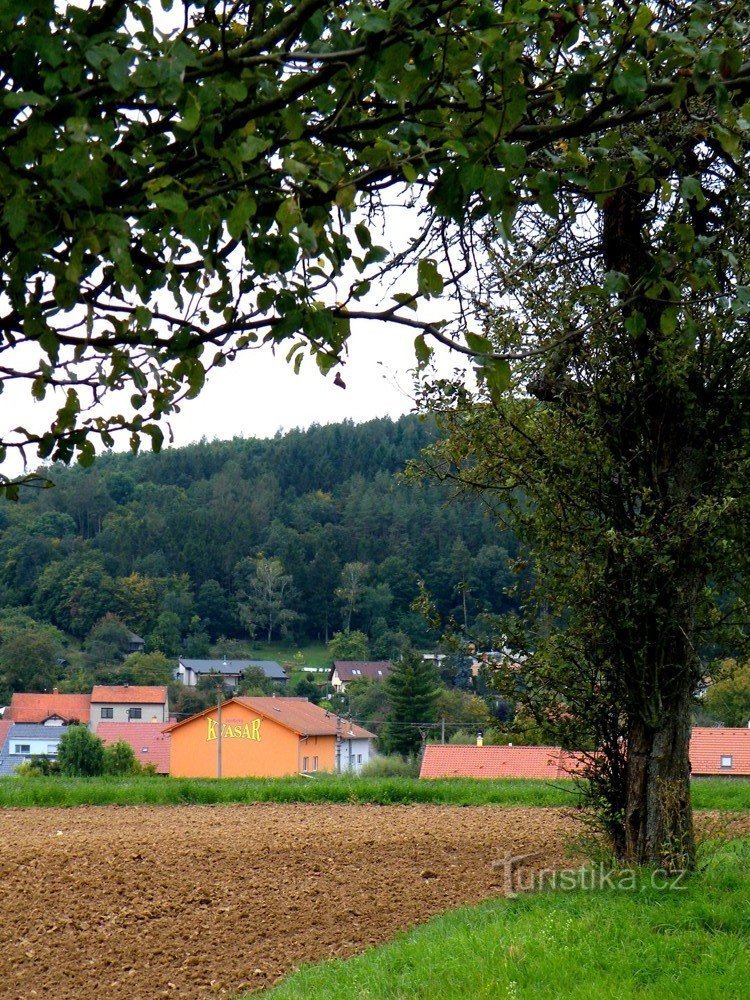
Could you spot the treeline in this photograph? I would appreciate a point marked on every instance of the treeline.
(180, 545)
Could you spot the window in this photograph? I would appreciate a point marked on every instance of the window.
(134, 713)
(315, 763)
(22, 748)
(359, 758)
(726, 760)
(305, 762)
(107, 713)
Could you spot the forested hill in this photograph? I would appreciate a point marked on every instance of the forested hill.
(171, 542)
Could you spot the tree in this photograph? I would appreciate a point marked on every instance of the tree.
(619, 455)
(80, 753)
(148, 668)
(28, 662)
(728, 698)
(268, 594)
(133, 181)
(349, 646)
(119, 759)
(166, 636)
(351, 589)
(413, 690)
(107, 642)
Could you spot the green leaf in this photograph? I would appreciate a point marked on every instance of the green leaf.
(244, 209)
(429, 281)
(478, 344)
(422, 350)
(496, 374)
(191, 115)
(172, 201)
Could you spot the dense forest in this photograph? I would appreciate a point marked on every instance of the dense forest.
(296, 537)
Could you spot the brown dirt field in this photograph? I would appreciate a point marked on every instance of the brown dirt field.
(202, 901)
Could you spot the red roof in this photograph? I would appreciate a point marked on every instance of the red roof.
(297, 714)
(497, 762)
(352, 670)
(5, 726)
(147, 739)
(40, 707)
(130, 694)
(709, 746)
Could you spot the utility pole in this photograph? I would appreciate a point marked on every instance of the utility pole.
(338, 744)
(442, 730)
(218, 734)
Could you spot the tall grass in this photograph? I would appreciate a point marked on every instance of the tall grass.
(719, 793)
(58, 791)
(651, 943)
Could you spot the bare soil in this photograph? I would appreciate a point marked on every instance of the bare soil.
(204, 901)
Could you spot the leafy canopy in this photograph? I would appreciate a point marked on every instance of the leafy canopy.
(180, 185)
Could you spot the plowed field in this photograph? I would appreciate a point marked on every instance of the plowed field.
(202, 901)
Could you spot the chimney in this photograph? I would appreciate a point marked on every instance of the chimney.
(480, 739)
(55, 691)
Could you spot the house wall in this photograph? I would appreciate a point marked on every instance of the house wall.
(37, 747)
(149, 712)
(252, 746)
(355, 754)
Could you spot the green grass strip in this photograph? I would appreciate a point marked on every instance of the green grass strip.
(718, 793)
(648, 942)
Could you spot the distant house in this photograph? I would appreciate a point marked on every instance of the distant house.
(135, 643)
(49, 709)
(190, 671)
(147, 739)
(449, 761)
(720, 752)
(343, 672)
(266, 737)
(128, 703)
(24, 741)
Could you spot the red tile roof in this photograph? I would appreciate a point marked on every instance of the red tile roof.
(551, 763)
(297, 714)
(130, 694)
(5, 726)
(352, 670)
(147, 739)
(40, 707)
(708, 746)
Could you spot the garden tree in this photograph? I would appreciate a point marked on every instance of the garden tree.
(367, 701)
(80, 753)
(255, 682)
(214, 610)
(349, 646)
(148, 668)
(268, 594)
(728, 697)
(413, 688)
(462, 708)
(620, 456)
(351, 589)
(176, 189)
(119, 759)
(28, 662)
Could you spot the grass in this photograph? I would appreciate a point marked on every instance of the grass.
(718, 793)
(315, 654)
(649, 943)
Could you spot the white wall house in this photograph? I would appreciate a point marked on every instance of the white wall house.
(355, 753)
(128, 703)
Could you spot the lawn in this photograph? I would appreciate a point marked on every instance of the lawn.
(312, 654)
(709, 793)
(643, 939)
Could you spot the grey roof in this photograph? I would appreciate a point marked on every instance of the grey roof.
(136, 638)
(270, 668)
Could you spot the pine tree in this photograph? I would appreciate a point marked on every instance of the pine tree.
(413, 689)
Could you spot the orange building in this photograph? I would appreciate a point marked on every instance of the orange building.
(262, 738)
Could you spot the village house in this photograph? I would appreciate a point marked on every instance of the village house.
(147, 739)
(128, 703)
(720, 752)
(49, 709)
(21, 741)
(266, 738)
(343, 672)
(189, 672)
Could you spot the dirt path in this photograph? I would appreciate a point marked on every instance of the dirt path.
(200, 901)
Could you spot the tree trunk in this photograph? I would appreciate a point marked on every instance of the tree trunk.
(658, 811)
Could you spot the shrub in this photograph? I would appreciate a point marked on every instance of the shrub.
(80, 753)
(119, 758)
(393, 766)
